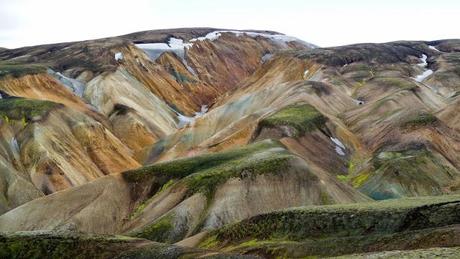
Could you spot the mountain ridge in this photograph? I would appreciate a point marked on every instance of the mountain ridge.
(176, 135)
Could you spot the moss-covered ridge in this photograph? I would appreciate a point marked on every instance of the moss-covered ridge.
(419, 120)
(71, 245)
(203, 174)
(24, 109)
(348, 219)
(18, 70)
(264, 161)
(302, 117)
(160, 231)
(180, 168)
(47, 245)
(359, 222)
(350, 245)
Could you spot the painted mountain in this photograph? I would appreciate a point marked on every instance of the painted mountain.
(213, 143)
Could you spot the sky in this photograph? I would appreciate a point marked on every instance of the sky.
(321, 22)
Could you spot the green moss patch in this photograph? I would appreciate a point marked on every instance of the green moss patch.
(358, 72)
(336, 246)
(24, 109)
(207, 180)
(341, 222)
(302, 117)
(40, 245)
(180, 168)
(51, 245)
(138, 210)
(400, 83)
(18, 70)
(204, 173)
(353, 67)
(420, 120)
(159, 231)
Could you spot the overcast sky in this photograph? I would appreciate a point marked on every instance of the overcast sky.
(322, 22)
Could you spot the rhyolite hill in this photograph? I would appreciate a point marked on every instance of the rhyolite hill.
(205, 142)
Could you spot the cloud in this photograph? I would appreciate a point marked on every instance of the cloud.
(325, 22)
(29, 22)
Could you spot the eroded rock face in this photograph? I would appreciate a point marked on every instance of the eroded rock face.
(67, 148)
(42, 87)
(170, 78)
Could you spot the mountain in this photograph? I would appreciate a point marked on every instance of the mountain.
(242, 143)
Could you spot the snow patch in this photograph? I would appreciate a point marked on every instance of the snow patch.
(212, 36)
(337, 142)
(177, 46)
(204, 109)
(14, 144)
(427, 72)
(423, 62)
(424, 75)
(118, 56)
(154, 50)
(281, 39)
(266, 57)
(189, 68)
(73, 85)
(339, 146)
(179, 43)
(186, 120)
(339, 151)
(434, 48)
